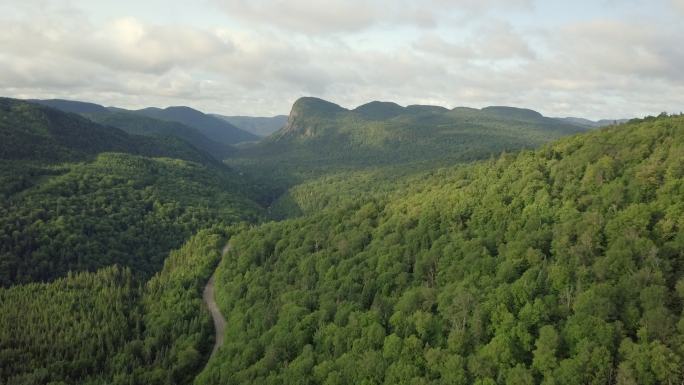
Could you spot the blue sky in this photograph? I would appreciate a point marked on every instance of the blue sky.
(597, 59)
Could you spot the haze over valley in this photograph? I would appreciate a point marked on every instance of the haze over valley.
(341, 192)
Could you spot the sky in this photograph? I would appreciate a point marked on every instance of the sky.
(594, 59)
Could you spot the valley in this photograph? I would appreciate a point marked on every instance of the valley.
(376, 245)
(341, 192)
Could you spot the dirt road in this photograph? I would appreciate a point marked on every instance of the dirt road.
(219, 321)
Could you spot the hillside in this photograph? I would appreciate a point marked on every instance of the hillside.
(106, 240)
(556, 266)
(260, 126)
(77, 107)
(137, 124)
(107, 327)
(212, 127)
(142, 125)
(79, 196)
(32, 132)
(321, 136)
(593, 123)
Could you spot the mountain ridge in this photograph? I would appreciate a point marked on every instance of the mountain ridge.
(212, 127)
(140, 124)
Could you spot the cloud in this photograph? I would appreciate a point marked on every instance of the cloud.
(340, 16)
(617, 48)
(495, 41)
(271, 52)
(678, 5)
(123, 44)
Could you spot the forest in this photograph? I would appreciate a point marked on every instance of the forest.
(322, 137)
(562, 265)
(379, 245)
(106, 327)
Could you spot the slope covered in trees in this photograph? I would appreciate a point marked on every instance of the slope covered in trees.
(107, 327)
(321, 136)
(78, 196)
(120, 209)
(142, 125)
(36, 133)
(137, 124)
(89, 293)
(212, 127)
(557, 266)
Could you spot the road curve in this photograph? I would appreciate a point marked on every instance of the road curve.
(219, 321)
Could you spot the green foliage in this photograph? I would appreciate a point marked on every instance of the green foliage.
(322, 136)
(141, 125)
(107, 327)
(120, 209)
(559, 266)
(216, 129)
(66, 329)
(36, 133)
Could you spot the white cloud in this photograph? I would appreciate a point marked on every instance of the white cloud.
(678, 5)
(360, 51)
(340, 16)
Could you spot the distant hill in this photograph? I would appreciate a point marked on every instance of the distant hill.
(71, 106)
(34, 132)
(320, 135)
(260, 126)
(138, 124)
(98, 195)
(591, 123)
(212, 127)
(512, 113)
(379, 110)
(143, 125)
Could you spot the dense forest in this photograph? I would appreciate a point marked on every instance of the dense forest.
(81, 206)
(365, 250)
(139, 124)
(321, 137)
(562, 265)
(106, 327)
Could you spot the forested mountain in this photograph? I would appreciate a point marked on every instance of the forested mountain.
(79, 196)
(32, 132)
(74, 106)
(393, 261)
(320, 136)
(591, 123)
(260, 126)
(91, 289)
(137, 124)
(143, 125)
(562, 265)
(106, 327)
(212, 127)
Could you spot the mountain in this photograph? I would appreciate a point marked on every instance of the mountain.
(106, 241)
(591, 123)
(561, 265)
(260, 126)
(320, 136)
(76, 107)
(29, 131)
(512, 113)
(142, 125)
(379, 110)
(79, 196)
(212, 127)
(138, 124)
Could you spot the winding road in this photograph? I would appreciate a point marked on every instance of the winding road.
(219, 321)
